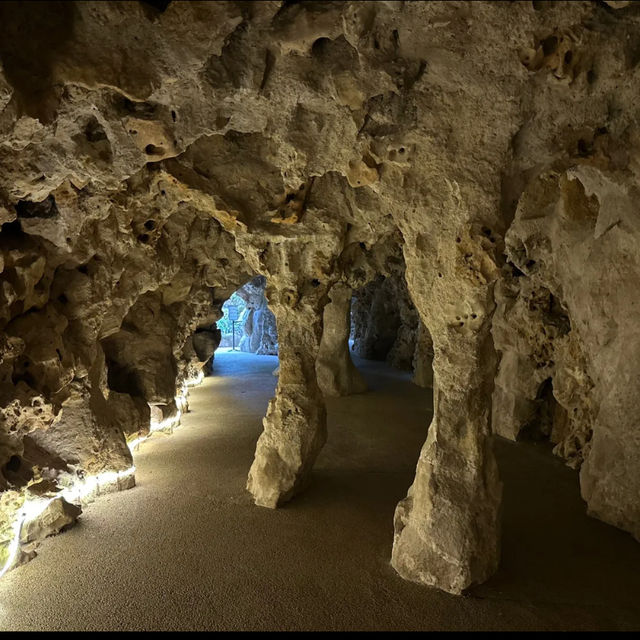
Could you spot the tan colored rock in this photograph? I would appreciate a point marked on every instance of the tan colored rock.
(337, 375)
(586, 211)
(423, 358)
(56, 517)
(295, 424)
(316, 143)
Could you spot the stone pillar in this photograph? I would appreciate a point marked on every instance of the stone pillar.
(337, 375)
(295, 423)
(446, 529)
(423, 358)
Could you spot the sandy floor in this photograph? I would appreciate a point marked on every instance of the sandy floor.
(186, 549)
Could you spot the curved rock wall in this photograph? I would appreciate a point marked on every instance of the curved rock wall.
(569, 307)
(156, 159)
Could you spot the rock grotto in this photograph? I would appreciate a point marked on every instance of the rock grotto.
(450, 185)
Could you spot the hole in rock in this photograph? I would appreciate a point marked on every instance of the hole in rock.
(584, 148)
(222, 122)
(13, 465)
(549, 45)
(546, 415)
(247, 324)
(159, 5)
(153, 150)
(45, 209)
(94, 131)
(320, 46)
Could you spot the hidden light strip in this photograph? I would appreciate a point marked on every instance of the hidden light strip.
(83, 490)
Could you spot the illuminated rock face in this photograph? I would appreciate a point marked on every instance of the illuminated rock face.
(58, 515)
(337, 375)
(155, 160)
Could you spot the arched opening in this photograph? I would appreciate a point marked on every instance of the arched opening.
(386, 327)
(157, 156)
(247, 324)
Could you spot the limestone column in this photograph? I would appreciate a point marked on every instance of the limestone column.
(295, 423)
(337, 375)
(423, 358)
(446, 529)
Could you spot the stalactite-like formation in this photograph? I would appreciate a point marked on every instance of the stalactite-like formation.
(468, 169)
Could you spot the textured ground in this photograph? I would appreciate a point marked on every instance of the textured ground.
(186, 549)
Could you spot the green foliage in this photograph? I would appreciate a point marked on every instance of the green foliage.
(224, 324)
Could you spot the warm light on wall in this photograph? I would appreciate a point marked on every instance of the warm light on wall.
(168, 424)
(83, 490)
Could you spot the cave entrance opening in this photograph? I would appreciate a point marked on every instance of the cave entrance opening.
(247, 324)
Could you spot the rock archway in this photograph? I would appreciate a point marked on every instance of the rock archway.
(169, 154)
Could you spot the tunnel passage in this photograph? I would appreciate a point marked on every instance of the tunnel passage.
(248, 324)
(323, 146)
(385, 326)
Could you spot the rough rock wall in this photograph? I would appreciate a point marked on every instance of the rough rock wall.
(385, 322)
(572, 248)
(149, 152)
(374, 320)
(423, 358)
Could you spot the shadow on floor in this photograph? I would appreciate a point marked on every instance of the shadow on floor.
(552, 552)
(187, 550)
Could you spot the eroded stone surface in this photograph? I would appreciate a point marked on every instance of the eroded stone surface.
(57, 516)
(337, 375)
(155, 160)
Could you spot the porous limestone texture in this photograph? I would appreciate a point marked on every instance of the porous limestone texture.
(573, 237)
(337, 375)
(57, 516)
(155, 157)
(385, 322)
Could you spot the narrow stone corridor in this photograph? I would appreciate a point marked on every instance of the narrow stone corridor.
(188, 549)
